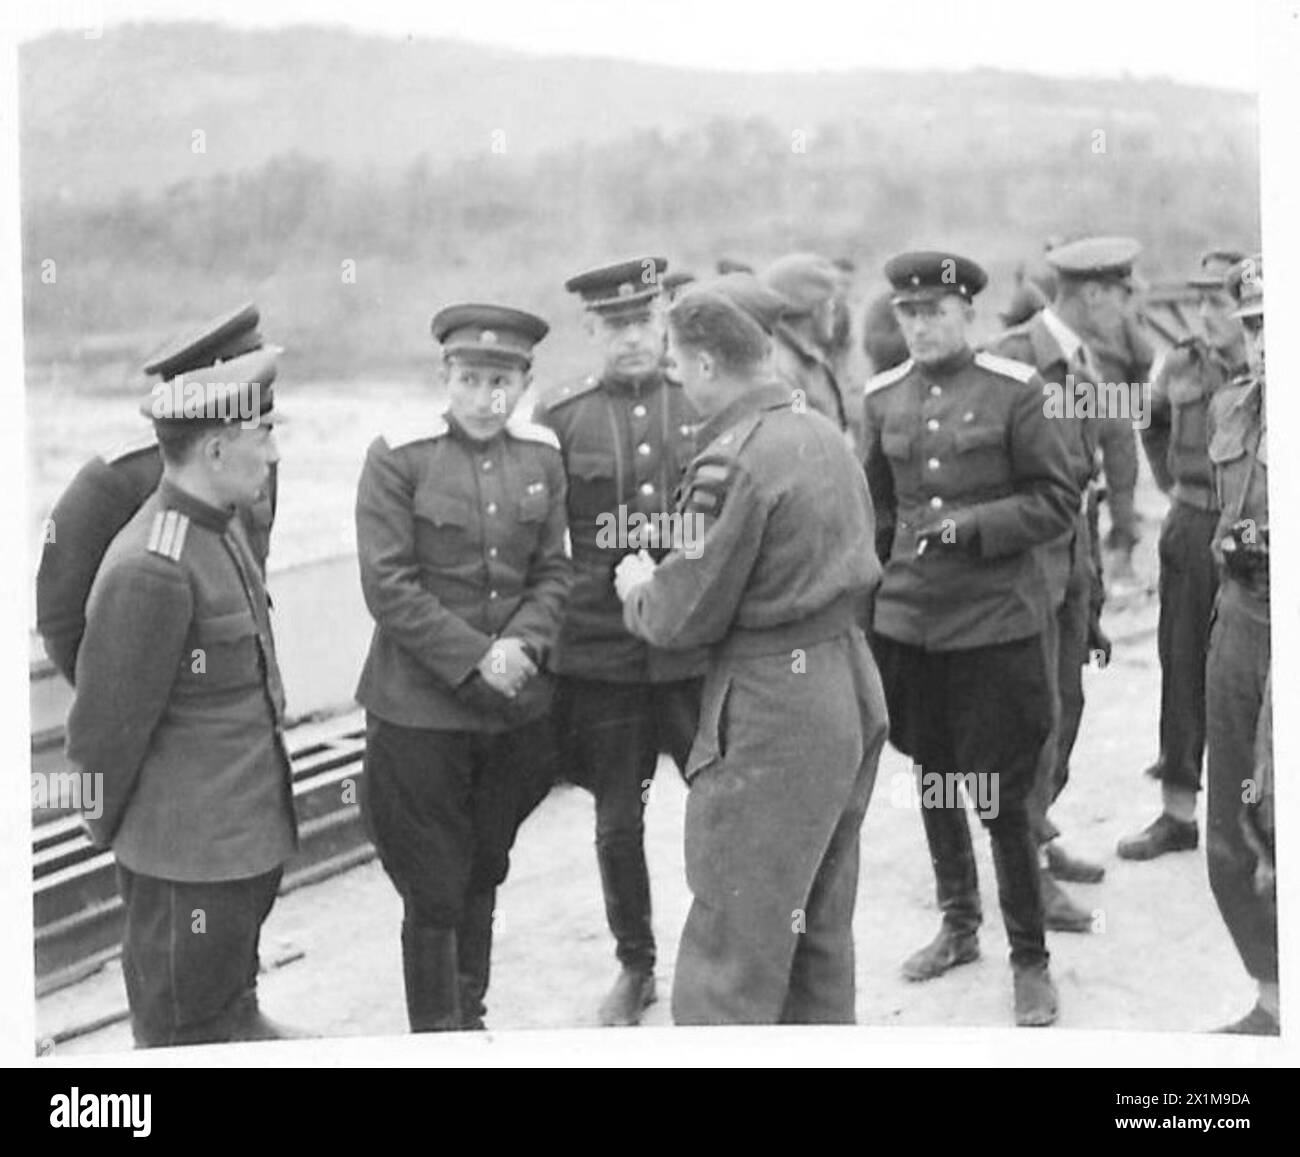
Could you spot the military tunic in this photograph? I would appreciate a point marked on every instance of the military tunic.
(1176, 441)
(793, 716)
(806, 369)
(97, 503)
(958, 626)
(180, 709)
(1237, 682)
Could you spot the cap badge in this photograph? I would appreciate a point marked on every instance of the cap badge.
(626, 289)
(488, 337)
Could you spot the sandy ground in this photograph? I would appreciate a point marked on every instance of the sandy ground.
(1160, 958)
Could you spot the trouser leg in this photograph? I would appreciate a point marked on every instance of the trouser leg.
(1235, 683)
(1188, 583)
(1071, 658)
(780, 783)
(418, 803)
(822, 983)
(189, 955)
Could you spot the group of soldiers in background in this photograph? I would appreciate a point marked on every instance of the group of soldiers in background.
(919, 562)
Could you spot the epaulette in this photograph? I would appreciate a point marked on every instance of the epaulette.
(129, 449)
(426, 431)
(167, 535)
(888, 377)
(1007, 367)
(527, 431)
(564, 394)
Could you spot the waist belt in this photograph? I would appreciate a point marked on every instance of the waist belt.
(1201, 497)
(830, 622)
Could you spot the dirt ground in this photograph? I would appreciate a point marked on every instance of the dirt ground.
(1159, 959)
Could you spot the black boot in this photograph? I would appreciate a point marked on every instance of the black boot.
(956, 882)
(429, 968)
(474, 956)
(1020, 896)
(248, 1022)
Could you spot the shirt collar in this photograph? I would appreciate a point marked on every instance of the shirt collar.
(195, 509)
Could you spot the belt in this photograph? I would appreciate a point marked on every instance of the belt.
(1192, 494)
(830, 622)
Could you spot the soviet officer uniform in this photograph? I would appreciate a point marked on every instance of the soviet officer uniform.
(1176, 442)
(958, 624)
(621, 701)
(460, 543)
(180, 708)
(108, 490)
(1239, 828)
(793, 717)
(805, 281)
(1072, 564)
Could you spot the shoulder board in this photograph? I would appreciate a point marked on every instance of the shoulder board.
(567, 392)
(888, 378)
(129, 449)
(425, 432)
(1005, 366)
(167, 534)
(527, 431)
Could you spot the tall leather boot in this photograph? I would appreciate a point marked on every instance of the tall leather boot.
(430, 971)
(956, 885)
(474, 956)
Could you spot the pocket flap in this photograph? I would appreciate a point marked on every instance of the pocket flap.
(977, 437)
(533, 506)
(585, 464)
(225, 628)
(442, 509)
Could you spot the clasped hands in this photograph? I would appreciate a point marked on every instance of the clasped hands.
(506, 667)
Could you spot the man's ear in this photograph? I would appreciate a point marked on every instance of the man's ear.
(591, 326)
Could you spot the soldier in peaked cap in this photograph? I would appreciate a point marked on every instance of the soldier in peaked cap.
(460, 540)
(626, 435)
(803, 336)
(1239, 820)
(1094, 281)
(1176, 441)
(110, 488)
(969, 478)
(1049, 341)
(179, 707)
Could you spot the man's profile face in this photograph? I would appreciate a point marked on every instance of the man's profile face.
(481, 395)
(241, 458)
(1214, 311)
(687, 367)
(632, 343)
(935, 328)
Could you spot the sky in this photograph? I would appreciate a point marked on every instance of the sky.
(1198, 41)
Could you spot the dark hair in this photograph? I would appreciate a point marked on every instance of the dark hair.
(176, 440)
(702, 320)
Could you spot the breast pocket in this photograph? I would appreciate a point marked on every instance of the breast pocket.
(981, 456)
(593, 486)
(534, 503)
(444, 525)
(225, 655)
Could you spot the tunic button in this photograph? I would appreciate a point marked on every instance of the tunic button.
(935, 391)
(493, 595)
(932, 424)
(933, 463)
(639, 411)
(487, 463)
(491, 507)
(936, 502)
(643, 449)
(647, 487)
(492, 552)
